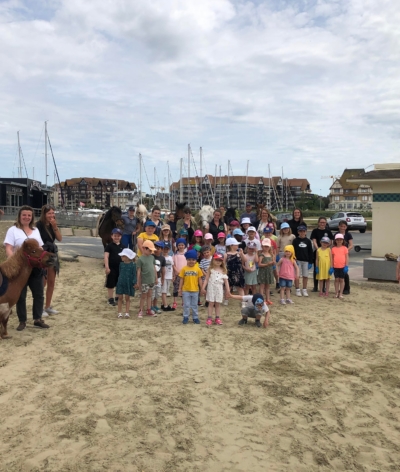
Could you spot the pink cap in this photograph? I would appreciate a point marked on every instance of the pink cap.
(208, 236)
(198, 232)
(221, 235)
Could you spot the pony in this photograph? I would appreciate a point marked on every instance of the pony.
(179, 210)
(15, 273)
(107, 222)
(204, 216)
(230, 215)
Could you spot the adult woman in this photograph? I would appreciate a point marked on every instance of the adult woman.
(187, 222)
(49, 232)
(266, 220)
(216, 226)
(24, 229)
(155, 218)
(316, 236)
(348, 242)
(296, 221)
(148, 234)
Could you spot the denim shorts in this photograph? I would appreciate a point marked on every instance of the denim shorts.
(285, 283)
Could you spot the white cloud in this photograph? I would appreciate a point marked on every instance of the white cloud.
(311, 86)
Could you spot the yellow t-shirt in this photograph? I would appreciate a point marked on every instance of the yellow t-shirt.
(191, 277)
(146, 237)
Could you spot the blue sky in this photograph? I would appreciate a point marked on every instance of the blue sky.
(308, 85)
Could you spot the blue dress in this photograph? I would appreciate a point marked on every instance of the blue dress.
(126, 279)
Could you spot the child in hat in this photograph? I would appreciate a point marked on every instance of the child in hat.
(126, 280)
(147, 235)
(216, 280)
(189, 286)
(288, 272)
(169, 272)
(160, 268)
(340, 263)
(253, 306)
(146, 277)
(265, 276)
(220, 248)
(179, 263)
(112, 261)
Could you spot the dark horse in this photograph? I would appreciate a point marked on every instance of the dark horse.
(107, 222)
(230, 215)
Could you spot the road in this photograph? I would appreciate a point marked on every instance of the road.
(92, 247)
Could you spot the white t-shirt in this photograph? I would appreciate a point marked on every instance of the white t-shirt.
(248, 303)
(15, 237)
(257, 242)
(169, 264)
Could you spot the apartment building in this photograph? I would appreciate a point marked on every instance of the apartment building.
(348, 195)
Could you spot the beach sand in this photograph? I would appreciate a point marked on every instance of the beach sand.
(318, 390)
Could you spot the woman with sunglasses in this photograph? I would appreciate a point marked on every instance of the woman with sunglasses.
(49, 232)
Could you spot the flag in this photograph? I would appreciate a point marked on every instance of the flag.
(81, 204)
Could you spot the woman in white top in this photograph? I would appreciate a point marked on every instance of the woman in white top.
(24, 229)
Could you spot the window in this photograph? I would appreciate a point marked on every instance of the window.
(349, 206)
(365, 198)
(336, 190)
(337, 199)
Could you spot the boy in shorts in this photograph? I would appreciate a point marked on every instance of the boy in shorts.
(111, 264)
(303, 251)
(253, 306)
(146, 277)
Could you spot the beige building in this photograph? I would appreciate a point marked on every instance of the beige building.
(385, 183)
(348, 194)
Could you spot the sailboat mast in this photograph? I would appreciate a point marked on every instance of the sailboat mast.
(45, 150)
(188, 175)
(220, 186)
(181, 183)
(169, 189)
(283, 201)
(140, 177)
(229, 163)
(245, 188)
(201, 177)
(19, 155)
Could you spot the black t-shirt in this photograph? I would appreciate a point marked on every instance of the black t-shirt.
(347, 237)
(294, 225)
(303, 249)
(46, 233)
(318, 234)
(114, 249)
(160, 260)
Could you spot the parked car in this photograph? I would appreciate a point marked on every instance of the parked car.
(354, 221)
(281, 217)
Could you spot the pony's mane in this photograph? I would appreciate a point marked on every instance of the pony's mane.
(11, 268)
(180, 206)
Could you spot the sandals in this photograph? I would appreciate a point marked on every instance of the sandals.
(127, 315)
(119, 315)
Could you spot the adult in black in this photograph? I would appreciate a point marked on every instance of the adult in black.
(316, 235)
(172, 224)
(348, 242)
(216, 226)
(49, 232)
(296, 221)
(187, 222)
(155, 217)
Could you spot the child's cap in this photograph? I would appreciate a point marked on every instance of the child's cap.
(302, 228)
(251, 228)
(149, 244)
(116, 231)
(290, 248)
(192, 254)
(218, 256)
(131, 208)
(159, 244)
(163, 227)
(183, 232)
(251, 244)
(237, 232)
(221, 235)
(198, 232)
(339, 236)
(326, 240)
(266, 242)
(149, 223)
(285, 225)
(232, 242)
(234, 223)
(167, 245)
(128, 253)
(257, 299)
(245, 220)
(181, 241)
(205, 248)
(197, 247)
(208, 236)
(268, 229)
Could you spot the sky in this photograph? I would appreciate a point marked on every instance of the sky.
(311, 86)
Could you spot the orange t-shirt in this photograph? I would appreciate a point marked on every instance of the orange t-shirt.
(339, 256)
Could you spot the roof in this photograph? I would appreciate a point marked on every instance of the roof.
(381, 174)
(348, 174)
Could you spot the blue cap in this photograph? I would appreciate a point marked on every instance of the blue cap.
(192, 254)
(183, 232)
(268, 229)
(116, 231)
(285, 225)
(237, 231)
(159, 244)
(149, 223)
(181, 241)
(167, 245)
(302, 228)
(257, 299)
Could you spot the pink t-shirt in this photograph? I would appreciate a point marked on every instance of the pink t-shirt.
(179, 262)
(339, 256)
(286, 270)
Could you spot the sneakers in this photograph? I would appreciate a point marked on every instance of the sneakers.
(242, 321)
(111, 302)
(346, 292)
(166, 308)
(226, 302)
(289, 301)
(305, 293)
(140, 314)
(268, 302)
(51, 311)
(283, 302)
(209, 322)
(258, 323)
(156, 310)
(196, 321)
(185, 321)
(298, 292)
(199, 303)
(119, 315)
(150, 312)
(21, 326)
(44, 314)
(206, 304)
(218, 321)
(127, 315)
(174, 305)
(40, 324)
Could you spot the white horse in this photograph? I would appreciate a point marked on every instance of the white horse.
(205, 215)
(141, 213)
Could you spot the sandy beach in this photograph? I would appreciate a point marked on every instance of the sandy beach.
(318, 390)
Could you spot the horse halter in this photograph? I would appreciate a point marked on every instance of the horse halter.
(38, 259)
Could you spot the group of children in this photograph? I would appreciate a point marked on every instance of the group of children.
(241, 262)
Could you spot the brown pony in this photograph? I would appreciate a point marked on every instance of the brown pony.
(107, 222)
(15, 273)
